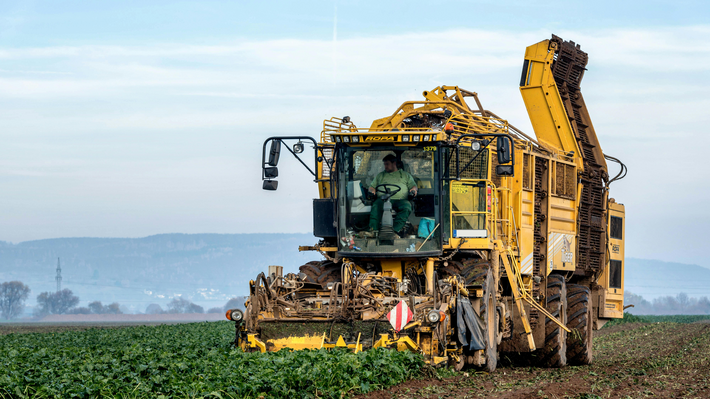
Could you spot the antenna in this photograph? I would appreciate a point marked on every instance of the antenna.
(59, 276)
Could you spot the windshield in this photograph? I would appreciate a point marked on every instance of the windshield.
(390, 202)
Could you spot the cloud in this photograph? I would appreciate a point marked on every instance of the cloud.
(150, 132)
(296, 74)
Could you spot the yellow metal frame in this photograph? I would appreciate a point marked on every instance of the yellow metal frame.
(611, 304)
(464, 120)
(401, 343)
(254, 343)
(520, 294)
(340, 343)
(307, 342)
(543, 102)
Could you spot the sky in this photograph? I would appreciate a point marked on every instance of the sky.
(127, 119)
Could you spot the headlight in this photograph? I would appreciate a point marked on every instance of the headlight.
(426, 137)
(405, 137)
(475, 145)
(235, 315)
(337, 139)
(356, 139)
(433, 316)
(346, 139)
(415, 137)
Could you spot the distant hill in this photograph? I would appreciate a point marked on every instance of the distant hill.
(211, 268)
(652, 278)
(207, 268)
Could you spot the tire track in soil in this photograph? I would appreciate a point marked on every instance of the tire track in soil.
(660, 360)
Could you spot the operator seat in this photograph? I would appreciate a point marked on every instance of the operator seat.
(356, 196)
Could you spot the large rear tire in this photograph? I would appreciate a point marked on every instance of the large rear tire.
(579, 320)
(555, 351)
(321, 272)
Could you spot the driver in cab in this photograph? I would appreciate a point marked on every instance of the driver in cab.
(400, 202)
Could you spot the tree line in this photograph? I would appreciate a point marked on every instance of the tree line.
(181, 305)
(13, 295)
(12, 299)
(681, 304)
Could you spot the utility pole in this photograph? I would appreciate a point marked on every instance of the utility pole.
(59, 276)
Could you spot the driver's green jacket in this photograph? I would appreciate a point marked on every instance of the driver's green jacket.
(400, 178)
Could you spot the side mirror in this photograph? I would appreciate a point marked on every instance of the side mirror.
(271, 172)
(503, 148)
(270, 185)
(274, 152)
(504, 170)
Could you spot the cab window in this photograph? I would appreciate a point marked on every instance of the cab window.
(413, 225)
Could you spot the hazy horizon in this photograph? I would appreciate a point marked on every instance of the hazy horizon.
(150, 235)
(209, 269)
(275, 233)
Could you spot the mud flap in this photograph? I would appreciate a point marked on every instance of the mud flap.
(469, 325)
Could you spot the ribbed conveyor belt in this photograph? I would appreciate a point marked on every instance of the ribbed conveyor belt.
(568, 70)
(538, 235)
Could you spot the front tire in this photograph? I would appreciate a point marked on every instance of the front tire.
(321, 272)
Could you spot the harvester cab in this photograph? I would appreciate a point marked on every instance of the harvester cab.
(446, 231)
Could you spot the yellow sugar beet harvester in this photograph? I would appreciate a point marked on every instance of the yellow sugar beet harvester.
(511, 244)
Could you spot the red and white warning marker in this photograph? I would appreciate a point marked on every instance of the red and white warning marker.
(400, 315)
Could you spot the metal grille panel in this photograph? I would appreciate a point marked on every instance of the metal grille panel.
(527, 175)
(477, 170)
(565, 181)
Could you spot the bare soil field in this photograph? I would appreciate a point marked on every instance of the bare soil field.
(635, 360)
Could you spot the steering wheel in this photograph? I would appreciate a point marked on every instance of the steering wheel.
(385, 189)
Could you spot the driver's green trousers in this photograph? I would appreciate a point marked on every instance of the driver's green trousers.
(403, 209)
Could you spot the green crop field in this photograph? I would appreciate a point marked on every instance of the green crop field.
(630, 318)
(185, 361)
(197, 360)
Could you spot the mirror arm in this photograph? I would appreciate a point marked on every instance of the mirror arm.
(301, 161)
(512, 142)
(281, 138)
